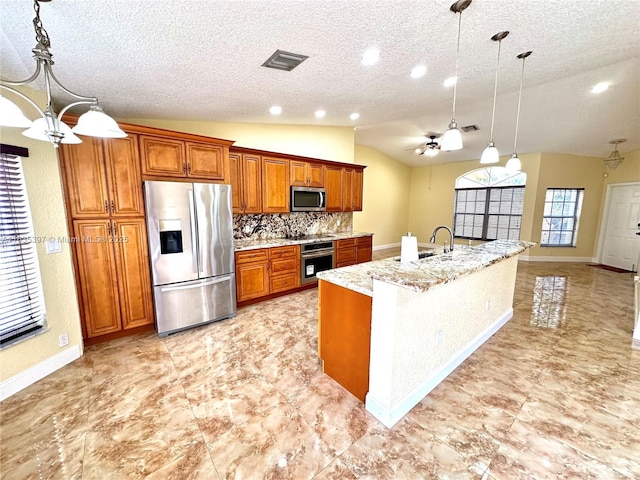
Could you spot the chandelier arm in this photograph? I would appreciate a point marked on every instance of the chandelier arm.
(71, 105)
(24, 82)
(48, 70)
(24, 97)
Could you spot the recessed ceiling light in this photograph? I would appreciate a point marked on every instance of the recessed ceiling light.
(371, 56)
(320, 113)
(354, 116)
(600, 87)
(275, 110)
(418, 71)
(450, 82)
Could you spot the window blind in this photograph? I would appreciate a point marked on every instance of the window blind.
(22, 311)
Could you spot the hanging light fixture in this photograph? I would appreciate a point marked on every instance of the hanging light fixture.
(614, 160)
(50, 127)
(452, 138)
(514, 164)
(490, 153)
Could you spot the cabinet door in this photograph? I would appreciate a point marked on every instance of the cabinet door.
(299, 173)
(316, 175)
(364, 249)
(125, 183)
(252, 183)
(162, 157)
(333, 186)
(85, 179)
(356, 191)
(99, 305)
(347, 183)
(235, 177)
(275, 185)
(132, 263)
(252, 280)
(205, 161)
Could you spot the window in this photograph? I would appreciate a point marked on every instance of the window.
(21, 302)
(492, 211)
(561, 214)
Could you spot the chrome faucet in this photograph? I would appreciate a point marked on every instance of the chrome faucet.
(433, 237)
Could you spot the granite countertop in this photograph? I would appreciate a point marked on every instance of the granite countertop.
(251, 244)
(425, 273)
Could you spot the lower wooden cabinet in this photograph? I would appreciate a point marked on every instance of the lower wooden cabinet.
(284, 268)
(252, 274)
(113, 275)
(364, 249)
(353, 250)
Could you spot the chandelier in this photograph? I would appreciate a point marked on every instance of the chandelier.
(50, 127)
(614, 159)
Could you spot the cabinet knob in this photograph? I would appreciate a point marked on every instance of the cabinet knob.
(106, 206)
(188, 169)
(109, 228)
(184, 167)
(113, 207)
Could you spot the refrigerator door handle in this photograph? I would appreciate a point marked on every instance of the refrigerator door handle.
(213, 281)
(194, 238)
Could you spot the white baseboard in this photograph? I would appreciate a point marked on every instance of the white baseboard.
(389, 245)
(529, 258)
(390, 417)
(31, 375)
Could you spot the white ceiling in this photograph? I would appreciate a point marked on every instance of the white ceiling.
(201, 60)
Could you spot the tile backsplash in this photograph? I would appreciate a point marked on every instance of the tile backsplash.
(280, 225)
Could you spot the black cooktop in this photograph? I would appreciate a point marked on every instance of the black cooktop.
(303, 236)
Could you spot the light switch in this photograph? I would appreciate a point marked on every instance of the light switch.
(53, 246)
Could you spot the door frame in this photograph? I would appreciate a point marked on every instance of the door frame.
(605, 218)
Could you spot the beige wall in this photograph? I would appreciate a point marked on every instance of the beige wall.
(385, 197)
(327, 143)
(44, 188)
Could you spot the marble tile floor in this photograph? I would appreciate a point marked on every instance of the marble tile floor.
(554, 394)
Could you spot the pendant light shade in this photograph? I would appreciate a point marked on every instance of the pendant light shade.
(96, 123)
(491, 154)
(40, 130)
(452, 138)
(11, 115)
(514, 164)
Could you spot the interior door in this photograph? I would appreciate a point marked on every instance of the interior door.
(621, 244)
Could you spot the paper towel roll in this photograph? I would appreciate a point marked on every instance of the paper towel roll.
(409, 249)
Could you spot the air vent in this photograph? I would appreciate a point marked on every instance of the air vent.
(287, 61)
(470, 128)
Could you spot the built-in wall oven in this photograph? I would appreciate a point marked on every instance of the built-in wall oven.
(315, 257)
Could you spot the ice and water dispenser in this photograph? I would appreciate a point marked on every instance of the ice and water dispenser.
(170, 236)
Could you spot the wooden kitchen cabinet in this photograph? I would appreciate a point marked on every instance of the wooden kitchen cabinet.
(205, 161)
(364, 249)
(333, 187)
(305, 174)
(246, 182)
(357, 190)
(284, 268)
(346, 252)
(275, 185)
(252, 274)
(347, 193)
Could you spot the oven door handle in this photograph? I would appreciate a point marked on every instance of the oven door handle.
(318, 254)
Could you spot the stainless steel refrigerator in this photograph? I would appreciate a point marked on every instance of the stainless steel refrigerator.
(190, 230)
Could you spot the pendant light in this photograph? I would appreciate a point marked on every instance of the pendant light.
(490, 153)
(615, 159)
(50, 126)
(514, 164)
(452, 138)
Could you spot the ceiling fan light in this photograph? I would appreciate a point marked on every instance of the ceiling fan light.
(452, 138)
(39, 128)
(11, 115)
(96, 123)
(431, 152)
(514, 164)
(490, 154)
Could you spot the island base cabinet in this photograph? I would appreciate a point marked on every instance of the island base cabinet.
(344, 336)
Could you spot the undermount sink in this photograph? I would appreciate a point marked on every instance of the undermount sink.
(421, 255)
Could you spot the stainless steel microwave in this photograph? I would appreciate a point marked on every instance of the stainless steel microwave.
(308, 199)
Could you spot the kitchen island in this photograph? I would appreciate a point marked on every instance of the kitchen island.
(389, 332)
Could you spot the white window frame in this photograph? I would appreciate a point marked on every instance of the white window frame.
(553, 220)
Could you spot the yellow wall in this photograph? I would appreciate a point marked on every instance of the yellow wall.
(44, 189)
(327, 143)
(385, 197)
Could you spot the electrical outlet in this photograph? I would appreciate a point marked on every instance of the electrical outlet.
(439, 337)
(63, 339)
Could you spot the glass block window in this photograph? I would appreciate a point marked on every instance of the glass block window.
(562, 208)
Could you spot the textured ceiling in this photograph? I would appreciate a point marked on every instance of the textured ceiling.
(201, 60)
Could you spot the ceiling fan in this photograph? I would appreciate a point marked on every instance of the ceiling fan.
(430, 148)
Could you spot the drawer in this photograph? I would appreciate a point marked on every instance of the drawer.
(282, 265)
(248, 256)
(364, 241)
(280, 252)
(345, 263)
(346, 255)
(349, 242)
(284, 282)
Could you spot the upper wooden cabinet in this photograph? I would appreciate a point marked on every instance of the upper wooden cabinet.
(305, 174)
(333, 186)
(357, 190)
(275, 185)
(168, 157)
(347, 192)
(246, 182)
(102, 177)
